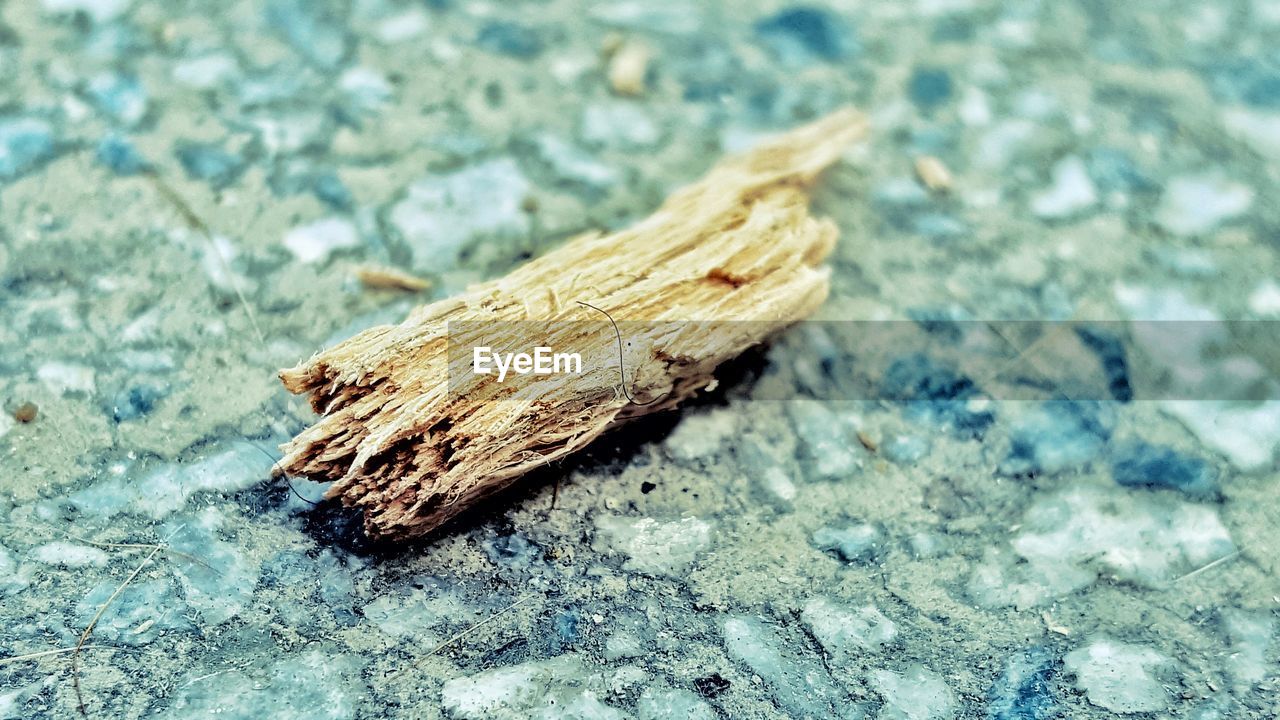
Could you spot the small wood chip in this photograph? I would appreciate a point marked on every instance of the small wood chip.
(628, 67)
(933, 173)
(379, 277)
(1052, 626)
(868, 442)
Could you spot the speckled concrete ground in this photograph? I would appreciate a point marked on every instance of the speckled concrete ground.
(187, 187)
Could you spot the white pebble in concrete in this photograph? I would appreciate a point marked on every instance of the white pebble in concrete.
(315, 242)
(62, 378)
(1196, 204)
(654, 547)
(1264, 301)
(917, 693)
(845, 631)
(560, 687)
(1119, 677)
(65, 554)
(441, 214)
(701, 435)
(1072, 191)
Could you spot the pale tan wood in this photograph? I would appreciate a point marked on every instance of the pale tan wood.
(628, 66)
(412, 449)
(933, 173)
(380, 277)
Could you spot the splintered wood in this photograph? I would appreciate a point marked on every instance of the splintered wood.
(722, 265)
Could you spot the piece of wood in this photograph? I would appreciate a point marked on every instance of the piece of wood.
(380, 277)
(720, 266)
(628, 67)
(933, 173)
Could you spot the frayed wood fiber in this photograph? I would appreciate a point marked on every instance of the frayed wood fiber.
(412, 449)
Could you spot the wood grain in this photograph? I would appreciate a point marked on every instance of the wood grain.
(720, 266)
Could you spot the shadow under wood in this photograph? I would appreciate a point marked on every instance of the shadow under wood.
(332, 524)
